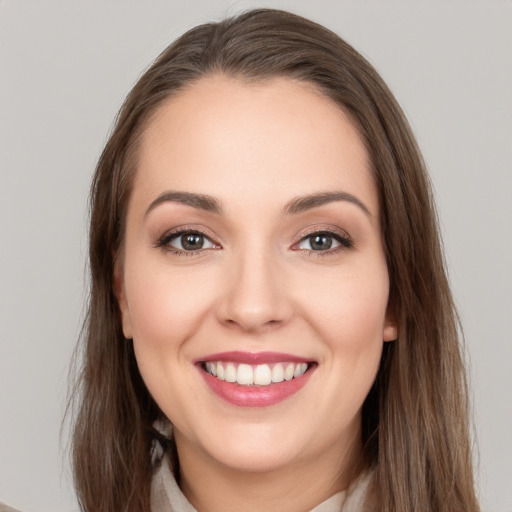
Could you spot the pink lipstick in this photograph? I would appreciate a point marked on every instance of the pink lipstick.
(261, 379)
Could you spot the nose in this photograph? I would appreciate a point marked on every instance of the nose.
(255, 296)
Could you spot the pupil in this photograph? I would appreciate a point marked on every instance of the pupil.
(321, 242)
(192, 241)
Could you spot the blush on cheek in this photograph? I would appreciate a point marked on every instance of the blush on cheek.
(150, 319)
(166, 307)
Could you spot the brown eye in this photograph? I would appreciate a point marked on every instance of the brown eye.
(189, 241)
(192, 241)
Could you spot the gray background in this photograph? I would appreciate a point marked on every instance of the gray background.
(65, 68)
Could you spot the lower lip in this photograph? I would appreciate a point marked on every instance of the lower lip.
(255, 396)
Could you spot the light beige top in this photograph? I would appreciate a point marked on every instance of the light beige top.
(5, 508)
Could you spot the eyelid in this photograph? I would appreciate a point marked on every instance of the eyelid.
(163, 241)
(340, 235)
(344, 240)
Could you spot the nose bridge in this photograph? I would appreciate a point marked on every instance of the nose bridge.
(255, 296)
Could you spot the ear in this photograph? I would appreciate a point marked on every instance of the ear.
(390, 330)
(119, 290)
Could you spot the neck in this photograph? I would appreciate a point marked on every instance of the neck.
(215, 487)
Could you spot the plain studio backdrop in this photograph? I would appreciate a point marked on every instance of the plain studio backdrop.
(65, 68)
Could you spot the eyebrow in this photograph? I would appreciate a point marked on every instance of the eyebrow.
(304, 203)
(296, 205)
(201, 201)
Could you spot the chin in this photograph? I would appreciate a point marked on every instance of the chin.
(257, 459)
(257, 447)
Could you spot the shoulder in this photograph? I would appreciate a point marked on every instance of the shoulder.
(5, 508)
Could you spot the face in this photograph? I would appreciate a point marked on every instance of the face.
(252, 278)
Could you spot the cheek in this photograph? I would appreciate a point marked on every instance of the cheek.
(166, 306)
(350, 307)
(349, 313)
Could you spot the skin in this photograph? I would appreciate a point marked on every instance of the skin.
(256, 286)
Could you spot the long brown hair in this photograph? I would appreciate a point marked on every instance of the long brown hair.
(415, 419)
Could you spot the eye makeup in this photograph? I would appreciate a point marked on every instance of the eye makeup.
(186, 241)
(191, 241)
(324, 241)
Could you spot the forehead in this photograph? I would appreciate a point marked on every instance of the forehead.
(221, 135)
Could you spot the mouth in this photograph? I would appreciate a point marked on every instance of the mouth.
(255, 380)
(255, 375)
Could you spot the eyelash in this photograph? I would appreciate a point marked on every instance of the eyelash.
(346, 243)
(163, 242)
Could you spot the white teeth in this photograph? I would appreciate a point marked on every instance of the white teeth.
(245, 375)
(289, 371)
(278, 373)
(211, 368)
(230, 372)
(262, 375)
(299, 370)
(258, 375)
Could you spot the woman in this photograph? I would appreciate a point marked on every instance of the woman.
(270, 324)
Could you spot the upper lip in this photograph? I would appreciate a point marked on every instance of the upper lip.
(253, 358)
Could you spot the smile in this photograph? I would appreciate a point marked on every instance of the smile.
(255, 375)
(260, 379)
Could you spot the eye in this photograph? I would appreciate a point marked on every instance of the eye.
(186, 241)
(323, 241)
